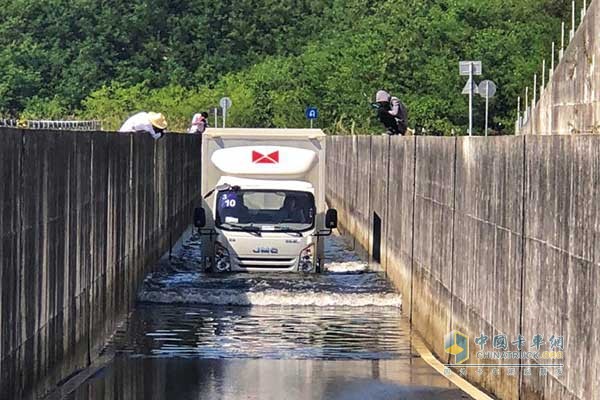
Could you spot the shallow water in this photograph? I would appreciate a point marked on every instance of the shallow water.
(249, 379)
(346, 282)
(265, 332)
(348, 312)
(336, 335)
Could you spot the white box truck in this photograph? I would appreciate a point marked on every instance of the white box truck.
(264, 203)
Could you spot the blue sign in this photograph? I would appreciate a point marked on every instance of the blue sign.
(228, 200)
(312, 113)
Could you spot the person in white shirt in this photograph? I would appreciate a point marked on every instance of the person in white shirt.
(199, 123)
(150, 122)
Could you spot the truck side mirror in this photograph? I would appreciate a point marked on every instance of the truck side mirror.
(331, 220)
(199, 217)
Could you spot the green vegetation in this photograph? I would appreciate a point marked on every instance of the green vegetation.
(108, 59)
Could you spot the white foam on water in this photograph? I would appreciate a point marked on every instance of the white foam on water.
(347, 281)
(346, 267)
(340, 258)
(227, 297)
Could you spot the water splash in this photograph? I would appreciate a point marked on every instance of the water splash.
(346, 282)
(270, 298)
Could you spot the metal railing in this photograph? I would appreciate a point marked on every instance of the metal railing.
(524, 113)
(93, 125)
(12, 123)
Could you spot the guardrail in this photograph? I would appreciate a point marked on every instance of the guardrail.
(526, 105)
(12, 123)
(92, 125)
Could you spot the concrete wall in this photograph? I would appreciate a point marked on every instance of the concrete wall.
(570, 104)
(562, 256)
(487, 258)
(493, 235)
(82, 218)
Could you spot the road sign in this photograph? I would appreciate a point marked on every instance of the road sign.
(465, 68)
(312, 113)
(487, 89)
(470, 87)
(470, 69)
(225, 103)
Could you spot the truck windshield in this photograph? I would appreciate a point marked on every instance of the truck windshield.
(265, 210)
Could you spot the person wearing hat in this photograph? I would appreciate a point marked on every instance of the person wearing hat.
(151, 122)
(391, 113)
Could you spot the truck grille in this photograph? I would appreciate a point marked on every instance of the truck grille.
(271, 262)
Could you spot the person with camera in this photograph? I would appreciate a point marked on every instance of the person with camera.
(391, 112)
(199, 123)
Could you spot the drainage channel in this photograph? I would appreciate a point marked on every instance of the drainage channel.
(337, 335)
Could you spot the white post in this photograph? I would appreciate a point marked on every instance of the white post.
(543, 77)
(552, 62)
(572, 33)
(487, 103)
(311, 123)
(534, 91)
(583, 10)
(216, 117)
(562, 42)
(518, 130)
(526, 112)
(471, 99)
(224, 116)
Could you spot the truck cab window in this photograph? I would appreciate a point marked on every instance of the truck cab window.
(278, 210)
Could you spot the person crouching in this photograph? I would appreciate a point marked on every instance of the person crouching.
(149, 122)
(391, 113)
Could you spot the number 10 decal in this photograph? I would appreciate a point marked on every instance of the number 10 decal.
(230, 203)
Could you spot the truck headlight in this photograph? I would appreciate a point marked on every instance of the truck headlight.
(306, 262)
(222, 258)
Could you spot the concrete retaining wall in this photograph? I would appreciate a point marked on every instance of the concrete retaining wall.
(82, 218)
(486, 235)
(570, 104)
(561, 257)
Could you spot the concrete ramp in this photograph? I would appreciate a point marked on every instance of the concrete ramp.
(570, 104)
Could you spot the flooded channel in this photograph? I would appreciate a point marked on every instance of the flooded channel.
(337, 335)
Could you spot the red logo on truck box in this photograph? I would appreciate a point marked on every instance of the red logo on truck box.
(259, 158)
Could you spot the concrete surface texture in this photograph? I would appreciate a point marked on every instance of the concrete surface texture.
(485, 235)
(82, 216)
(570, 104)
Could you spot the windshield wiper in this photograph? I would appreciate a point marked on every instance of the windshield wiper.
(245, 228)
(287, 228)
(284, 228)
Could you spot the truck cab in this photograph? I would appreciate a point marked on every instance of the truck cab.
(264, 201)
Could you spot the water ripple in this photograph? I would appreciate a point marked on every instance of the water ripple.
(348, 312)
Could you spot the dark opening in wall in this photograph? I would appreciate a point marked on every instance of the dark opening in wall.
(376, 251)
